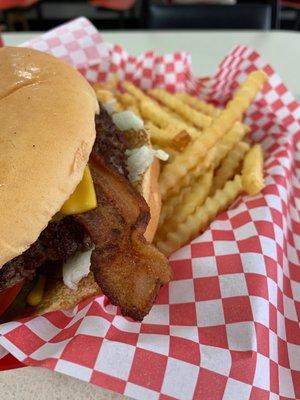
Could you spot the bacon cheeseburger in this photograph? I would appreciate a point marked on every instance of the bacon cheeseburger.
(72, 223)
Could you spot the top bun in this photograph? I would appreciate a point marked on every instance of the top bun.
(47, 112)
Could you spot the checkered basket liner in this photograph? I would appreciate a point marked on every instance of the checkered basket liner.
(227, 326)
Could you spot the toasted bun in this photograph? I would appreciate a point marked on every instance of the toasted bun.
(150, 192)
(47, 112)
(60, 297)
(148, 186)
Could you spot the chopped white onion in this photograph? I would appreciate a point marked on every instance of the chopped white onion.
(110, 106)
(139, 159)
(76, 268)
(127, 120)
(160, 154)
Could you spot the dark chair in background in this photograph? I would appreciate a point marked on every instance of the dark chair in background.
(253, 15)
(295, 6)
(119, 6)
(14, 15)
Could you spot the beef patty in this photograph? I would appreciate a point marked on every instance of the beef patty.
(110, 143)
(59, 241)
(62, 239)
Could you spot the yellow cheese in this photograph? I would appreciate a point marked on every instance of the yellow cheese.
(35, 296)
(84, 197)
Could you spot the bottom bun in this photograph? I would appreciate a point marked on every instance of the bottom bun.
(58, 296)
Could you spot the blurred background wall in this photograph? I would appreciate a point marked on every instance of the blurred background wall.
(40, 15)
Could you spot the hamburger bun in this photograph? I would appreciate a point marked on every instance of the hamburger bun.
(150, 192)
(47, 118)
(47, 113)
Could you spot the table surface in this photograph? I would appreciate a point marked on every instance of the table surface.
(280, 49)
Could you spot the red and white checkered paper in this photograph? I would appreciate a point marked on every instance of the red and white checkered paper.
(227, 326)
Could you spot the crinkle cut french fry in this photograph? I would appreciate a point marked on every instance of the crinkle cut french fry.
(126, 99)
(228, 141)
(110, 85)
(169, 136)
(135, 91)
(129, 102)
(201, 218)
(191, 115)
(161, 136)
(198, 104)
(176, 117)
(229, 166)
(112, 82)
(103, 95)
(192, 199)
(196, 151)
(246, 128)
(252, 171)
(193, 175)
(170, 204)
(181, 140)
(153, 112)
(213, 158)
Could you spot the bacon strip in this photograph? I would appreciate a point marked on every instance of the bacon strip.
(129, 270)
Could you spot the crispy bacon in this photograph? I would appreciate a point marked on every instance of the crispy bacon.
(129, 270)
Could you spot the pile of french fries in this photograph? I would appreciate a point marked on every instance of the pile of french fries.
(211, 161)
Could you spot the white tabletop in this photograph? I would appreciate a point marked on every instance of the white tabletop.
(280, 49)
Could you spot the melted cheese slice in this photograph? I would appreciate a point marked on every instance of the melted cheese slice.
(83, 198)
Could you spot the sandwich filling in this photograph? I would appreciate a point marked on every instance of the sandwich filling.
(127, 269)
(62, 239)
